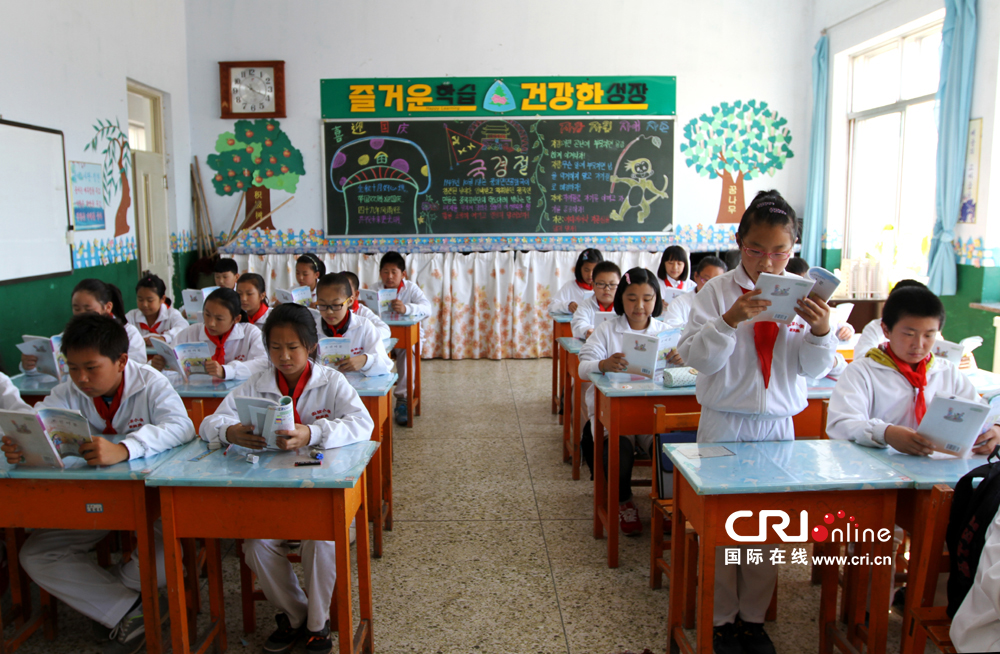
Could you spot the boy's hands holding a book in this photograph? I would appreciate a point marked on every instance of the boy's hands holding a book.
(816, 313)
(102, 452)
(29, 361)
(745, 307)
(352, 364)
(614, 363)
(158, 362)
(987, 441)
(907, 441)
(214, 368)
(398, 306)
(11, 451)
(243, 436)
(293, 439)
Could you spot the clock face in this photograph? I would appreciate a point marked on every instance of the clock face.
(252, 90)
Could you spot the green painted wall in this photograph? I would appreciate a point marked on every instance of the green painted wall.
(974, 285)
(182, 260)
(831, 259)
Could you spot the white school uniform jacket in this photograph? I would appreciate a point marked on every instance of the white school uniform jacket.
(329, 406)
(245, 353)
(263, 318)
(870, 396)
(976, 625)
(136, 349)
(372, 317)
(365, 339)
(606, 340)
(10, 397)
(413, 297)
(151, 418)
(730, 378)
(583, 317)
(678, 311)
(170, 319)
(686, 285)
(570, 292)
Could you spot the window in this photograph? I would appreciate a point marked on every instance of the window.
(142, 122)
(893, 147)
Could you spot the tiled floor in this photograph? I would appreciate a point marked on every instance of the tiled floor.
(491, 550)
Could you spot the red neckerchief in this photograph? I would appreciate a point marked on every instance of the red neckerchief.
(584, 286)
(357, 304)
(220, 345)
(339, 329)
(917, 379)
(602, 308)
(261, 310)
(764, 336)
(670, 285)
(146, 328)
(299, 387)
(108, 411)
(399, 288)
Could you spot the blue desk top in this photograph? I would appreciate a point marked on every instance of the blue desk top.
(403, 321)
(389, 343)
(77, 469)
(372, 386)
(987, 383)
(818, 389)
(342, 468)
(782, 467)
(924, 471)
(561, 317)
(34, 384)
(570, 344)
(203, 386)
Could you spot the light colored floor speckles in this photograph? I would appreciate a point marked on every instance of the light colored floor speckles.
(491, 550)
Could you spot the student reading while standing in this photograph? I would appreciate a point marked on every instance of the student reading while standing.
(751, 381)
(675, 265)
(579, 289)
(134, 412)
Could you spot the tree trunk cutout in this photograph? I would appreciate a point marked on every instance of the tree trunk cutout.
(116, 169)
(732, 203)
(121, 216)
(256, 194)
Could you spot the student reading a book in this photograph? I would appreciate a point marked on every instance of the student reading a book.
(155, 317)
(308, 269)
(637, 304)
(239, 350)
(334, 319)
(881, 398)
(226, 272)
(751, 381)
(134, 412)
(873, 335)
(673, 272)
(253, 298)
(579, 289)
(328, 414)
(410, 300)
(94, 296)
(678, 311)
(361, 310)
(606, 277)
(10, 397)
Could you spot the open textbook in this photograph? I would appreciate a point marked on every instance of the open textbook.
(298, 295)
(46, 436)
(670, 294)
(647, 355)
(955, 351)
(952, 424)
(194, 300)
(51, 360)
(266, 416)
(826, 282)
(334, 349)
(379, 301)
(185, 358)
(784, 293)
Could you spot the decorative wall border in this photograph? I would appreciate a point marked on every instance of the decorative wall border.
(101, 252)
(971, 252)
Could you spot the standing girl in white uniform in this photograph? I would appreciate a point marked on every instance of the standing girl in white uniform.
(574, 292)
(751, 381)
(253, 298)
(673, 273)
(155, 317)
(328, 414)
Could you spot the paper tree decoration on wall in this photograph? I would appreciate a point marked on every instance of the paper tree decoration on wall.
(736, 142)
(116, 170)
(257, 153)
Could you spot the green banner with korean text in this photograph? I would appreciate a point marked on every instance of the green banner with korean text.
(374, 98)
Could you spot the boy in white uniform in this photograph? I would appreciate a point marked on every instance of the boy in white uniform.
(606, 276)
(139, 414)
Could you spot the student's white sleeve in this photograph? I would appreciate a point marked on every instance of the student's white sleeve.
(378, 362)
(420, 304)
(380, 326)
(213, 428)
(10, 398)
(850, 415)
(839, 367)
(175, 325)
(170, 424)
(676, 315)
(708, 341)
(871, 336)
(976, 625)
(560, 303)
(136, 346)
(353, 425)
(817, 354)
(244, 369)
(583, 320)
(592, 353)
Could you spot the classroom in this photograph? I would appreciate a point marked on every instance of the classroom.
(322, 319)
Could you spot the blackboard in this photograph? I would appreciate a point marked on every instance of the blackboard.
(496, 176)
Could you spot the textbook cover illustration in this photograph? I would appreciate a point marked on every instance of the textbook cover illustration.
(185, 358)
(333, 350)
(647, 355)
(298, 295)
(266, 416)
(783, 292)
(600, 317)
(955, 351)
(194, 300)
(46, 436)
(670, 294)
(50, 359)
(380, 301)
(953, 424)
(826, 282)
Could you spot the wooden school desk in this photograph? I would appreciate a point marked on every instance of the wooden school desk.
(560, 329)
(204, 494)
(406, 331)
(570, 347)
(376, 393)
(630, 411)
(84, 497)
(818, 476)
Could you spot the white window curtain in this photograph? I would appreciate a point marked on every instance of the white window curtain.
(487, 305)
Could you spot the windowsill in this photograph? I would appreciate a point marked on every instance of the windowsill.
(992, 307)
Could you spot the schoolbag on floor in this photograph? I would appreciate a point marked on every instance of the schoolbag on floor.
(973, 509)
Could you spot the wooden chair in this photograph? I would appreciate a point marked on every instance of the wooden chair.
(924, 620)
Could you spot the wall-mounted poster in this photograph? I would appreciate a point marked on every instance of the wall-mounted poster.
(87, 190)
(970, 182)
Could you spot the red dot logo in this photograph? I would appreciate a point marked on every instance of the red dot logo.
(851, 519)
(841, 513)
(819, 533)
(828, 518)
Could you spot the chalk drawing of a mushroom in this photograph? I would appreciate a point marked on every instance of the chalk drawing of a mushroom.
(381, 179)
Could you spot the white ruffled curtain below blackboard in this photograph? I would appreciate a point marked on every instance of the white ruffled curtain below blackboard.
(487, 305)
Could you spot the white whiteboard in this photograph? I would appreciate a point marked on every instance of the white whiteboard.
(34, 203)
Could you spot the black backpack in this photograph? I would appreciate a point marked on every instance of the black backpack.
(973, 509)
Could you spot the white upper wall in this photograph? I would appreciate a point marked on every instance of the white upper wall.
(720, 50)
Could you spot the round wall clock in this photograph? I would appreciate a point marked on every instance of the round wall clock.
(252, 89)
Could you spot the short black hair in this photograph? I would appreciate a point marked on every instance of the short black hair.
(298, 318)
(634, 277)
(95, 332)
(710, 261)
(230, 299)
(915, 302)
(907, 283)
(797, 266)
(606, 267)
(103, 293)
(313, 261)
(674, 253)
(336, 280)
(392, 258)
(770, 208)
(590, 255)
(224, 265)
(355, 282)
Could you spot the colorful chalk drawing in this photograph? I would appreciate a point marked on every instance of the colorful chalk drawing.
(641, 181)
